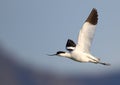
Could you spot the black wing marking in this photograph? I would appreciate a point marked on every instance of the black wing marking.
(93, 17)
(70, 45)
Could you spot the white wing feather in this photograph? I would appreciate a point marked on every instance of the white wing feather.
(85, 37)
(86, 34)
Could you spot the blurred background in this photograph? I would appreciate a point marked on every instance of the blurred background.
(31, 29)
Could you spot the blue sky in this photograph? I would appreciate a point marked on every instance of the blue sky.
(34, 28)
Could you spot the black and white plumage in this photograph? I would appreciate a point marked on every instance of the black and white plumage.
(81, 51)
(70, 45)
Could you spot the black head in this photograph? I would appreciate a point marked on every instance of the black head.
(57, 53)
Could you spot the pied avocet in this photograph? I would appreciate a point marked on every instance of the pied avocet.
(81, 51)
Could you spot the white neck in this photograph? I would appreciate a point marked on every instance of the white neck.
(66, 54)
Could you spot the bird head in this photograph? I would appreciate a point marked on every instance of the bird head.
(59, 53)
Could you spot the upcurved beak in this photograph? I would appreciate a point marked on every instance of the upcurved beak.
(51, 54)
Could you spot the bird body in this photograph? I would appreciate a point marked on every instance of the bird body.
(81, 51)
(83, 57)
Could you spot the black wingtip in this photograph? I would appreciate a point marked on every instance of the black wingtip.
(70, 43)
(93, 17)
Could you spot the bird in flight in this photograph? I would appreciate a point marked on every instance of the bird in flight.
(81, 51)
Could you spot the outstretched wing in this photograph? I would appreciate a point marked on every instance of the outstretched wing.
(70, 45)
(86, 34)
